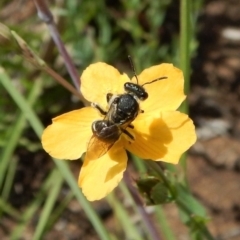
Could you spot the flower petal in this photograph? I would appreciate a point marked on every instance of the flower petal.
(99, 177)
(164, 138)
(148, 142)
(68, 135)
(166, 94)
(99, 79)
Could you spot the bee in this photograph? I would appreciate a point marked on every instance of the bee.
(105, 132)
(123, 109)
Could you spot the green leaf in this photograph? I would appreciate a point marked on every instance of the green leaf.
(153, 190)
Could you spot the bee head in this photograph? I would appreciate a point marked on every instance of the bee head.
(136, 90)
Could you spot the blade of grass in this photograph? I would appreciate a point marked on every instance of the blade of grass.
(10, 173)
(129, 197)
(185, 37)
(56, 213)
(89, 210)
(162, 219)
(8, 209)
(123, 217)
(28, 214)
(16, 132)
(56, 184)
(63, 167)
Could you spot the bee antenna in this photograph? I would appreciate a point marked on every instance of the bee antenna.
(155, 80)
(133, 68)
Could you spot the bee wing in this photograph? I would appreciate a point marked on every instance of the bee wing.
(97, 148)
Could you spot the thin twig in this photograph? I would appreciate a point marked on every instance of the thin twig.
(39, 63)
(145, 216)
(45, 15)
(64, 83)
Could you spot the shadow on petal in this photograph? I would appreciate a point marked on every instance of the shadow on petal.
(164, 138)
(117, 155)
(150, 139)
(113, 171)
(183, 135)
(99, 177)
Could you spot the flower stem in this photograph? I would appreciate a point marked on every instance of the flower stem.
(145, 216)
(45, 15)
(182, 205)
(158, 170)
(185, 39)
(65, 84)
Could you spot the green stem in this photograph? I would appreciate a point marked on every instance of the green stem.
(185, 39)
(152, 231)
(182, 205)
(159, 212)
(50, 200)
(158, 170)
(16, 132)
(125, 222)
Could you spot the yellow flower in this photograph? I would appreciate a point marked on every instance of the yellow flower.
(160, 133)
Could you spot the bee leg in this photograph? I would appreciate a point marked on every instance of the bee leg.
(99, 109)
(141, 111)
(127, 133)
(109, 96)
(130, 126)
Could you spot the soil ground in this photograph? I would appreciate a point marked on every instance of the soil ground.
(214, 165)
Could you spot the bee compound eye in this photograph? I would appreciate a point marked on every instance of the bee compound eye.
(144, 95)
(125, 86)
(129, 87)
